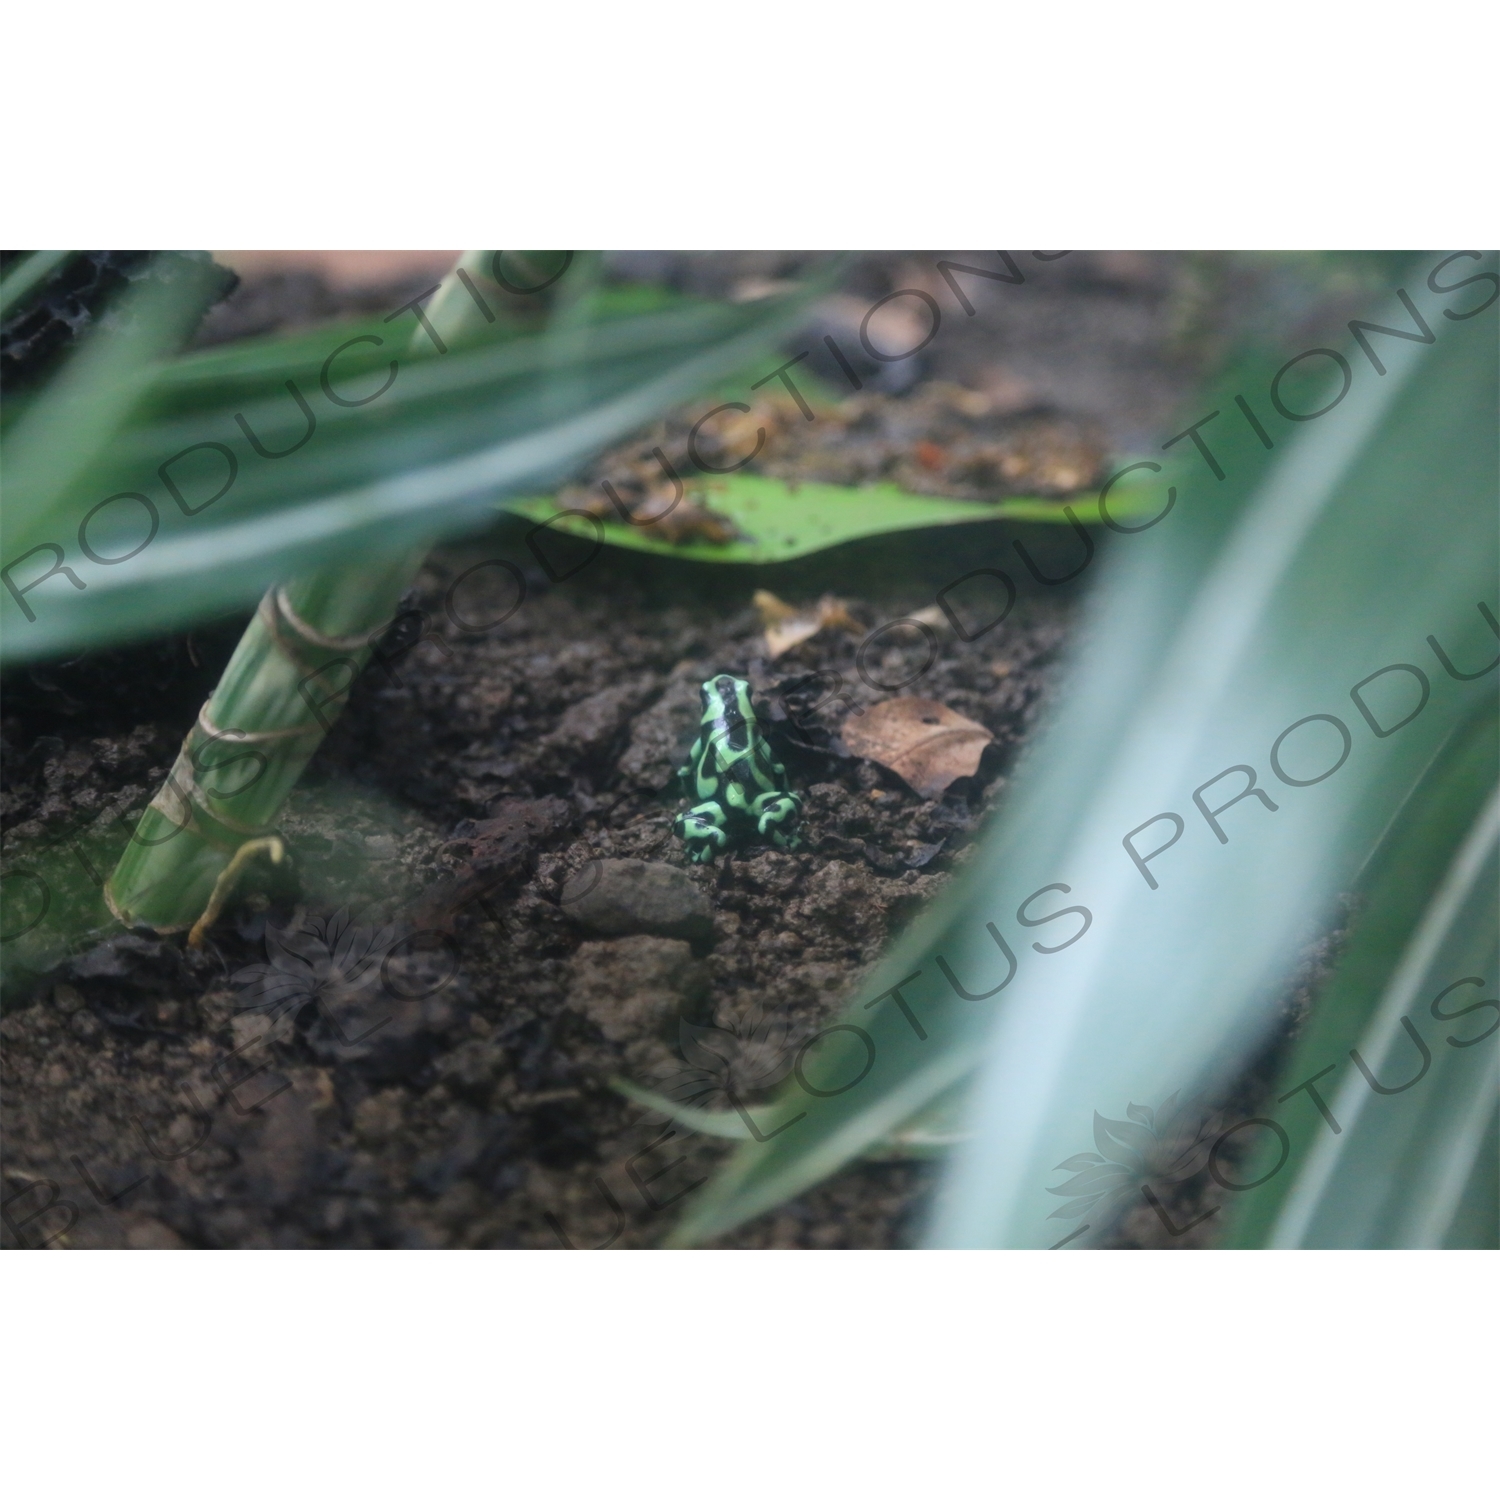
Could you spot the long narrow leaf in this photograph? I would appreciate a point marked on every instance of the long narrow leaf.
(1264, 599)
(460, 431)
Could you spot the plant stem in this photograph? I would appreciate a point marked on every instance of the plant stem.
(286, 683)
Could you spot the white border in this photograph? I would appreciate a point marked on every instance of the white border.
(747, 1374)
(1164, 124)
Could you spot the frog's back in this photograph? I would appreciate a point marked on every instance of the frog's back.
(740, 783)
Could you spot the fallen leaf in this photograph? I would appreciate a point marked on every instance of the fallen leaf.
(926, 744)
(670, 517)
(933, 615)
(787, 626)
(772, 610)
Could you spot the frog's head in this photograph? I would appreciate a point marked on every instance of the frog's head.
(725, 697)
(726, 704)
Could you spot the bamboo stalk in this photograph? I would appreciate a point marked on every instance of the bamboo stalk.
(286, 683)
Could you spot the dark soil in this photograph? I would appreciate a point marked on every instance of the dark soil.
(158, 1096)
(471, 1114)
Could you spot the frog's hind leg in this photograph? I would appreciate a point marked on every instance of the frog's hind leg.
(776, 815)
(702, 829)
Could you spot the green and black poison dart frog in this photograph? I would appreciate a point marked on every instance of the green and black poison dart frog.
(740, 788)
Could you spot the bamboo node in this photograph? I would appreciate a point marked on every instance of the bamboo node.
(277, 610)
(251, 736)
(181, 802)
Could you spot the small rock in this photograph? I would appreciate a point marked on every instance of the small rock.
(503, 850)
(278, 1142)
(145, 1233)
(659, 737)
(139, 960)
(617, 896)
(66, 998)
(386, 1032)
(588, 727)
(632, 986)
(251, 1026)
(381, 1117)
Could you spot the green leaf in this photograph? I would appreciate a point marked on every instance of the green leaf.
(1395, 1171)
(779, 521)
(727, 1125)
(930, 1133)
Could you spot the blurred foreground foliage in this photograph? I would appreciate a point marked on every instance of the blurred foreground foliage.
(1328, 603)
(147, 489)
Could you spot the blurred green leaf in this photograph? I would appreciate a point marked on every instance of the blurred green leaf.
(452, 434)
(1262, 600)
(27, 275)
(725, 1124)
(52, 442)
(1395, 1171)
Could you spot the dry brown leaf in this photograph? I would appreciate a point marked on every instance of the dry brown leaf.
(787, 626)
(772, 610)
(933, 615)
(781, 638)
(926, 744)
(671, 519)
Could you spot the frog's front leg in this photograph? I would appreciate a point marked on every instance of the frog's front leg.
(687, 773)
(776, 815)
(701, 828)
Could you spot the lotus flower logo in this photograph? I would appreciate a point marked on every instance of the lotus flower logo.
(725, 1063)
(1163, 1146)
(328, 960)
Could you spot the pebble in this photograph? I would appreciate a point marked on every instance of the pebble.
(590, 724)
(659, 736)
(634, 986)
(620, 896)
